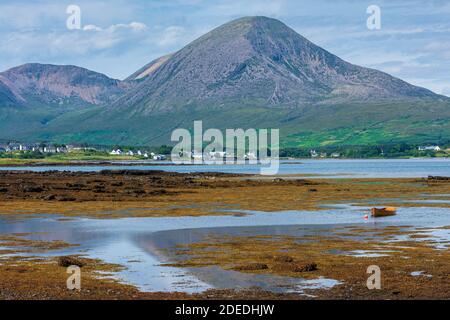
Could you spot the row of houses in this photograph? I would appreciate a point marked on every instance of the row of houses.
(11, 147)
(51, 148)
(216, 155)
(46, 147)
(315, 154)
(145, 154)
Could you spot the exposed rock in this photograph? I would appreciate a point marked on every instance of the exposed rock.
(306, 267)
(66, 198)
(33, 189)
(69, 261)
(252, 267)
(285, 259)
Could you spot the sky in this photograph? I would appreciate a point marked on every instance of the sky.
(118, 37)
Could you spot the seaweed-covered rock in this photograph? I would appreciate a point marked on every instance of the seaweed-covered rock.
(306, 267)
(284, 259)
(252, 267)
(33, 189)
(69, 261)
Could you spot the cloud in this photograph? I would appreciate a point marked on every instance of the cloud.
(446, 91)
(441, 86)
(441, 48)
(171, 35)
(64, 42)
(121, 35)
(249, 7)
(138, 26)
(91, 27)
(29, 15)
(135, 26)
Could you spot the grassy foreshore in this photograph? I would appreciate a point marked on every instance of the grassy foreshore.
(28, 158)
(21, 159)
(114, 194)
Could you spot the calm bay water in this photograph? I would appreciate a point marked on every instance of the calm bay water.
(379, 168)
(139, 243)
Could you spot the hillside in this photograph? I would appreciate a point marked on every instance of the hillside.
(60, 86)
(261, 61)
(253, 72)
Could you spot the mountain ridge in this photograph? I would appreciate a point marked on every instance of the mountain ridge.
(49, 84)
(251, 72)
(252, 57)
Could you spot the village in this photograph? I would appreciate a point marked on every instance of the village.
(32, 150)
(49, 149)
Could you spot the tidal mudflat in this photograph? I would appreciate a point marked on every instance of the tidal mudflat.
(140, 193)
(159, 235)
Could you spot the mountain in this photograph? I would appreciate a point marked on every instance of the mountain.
(149, 68)
(263, 62)
(34, 95)
(253, 72)
(7, 97)
(59, 86)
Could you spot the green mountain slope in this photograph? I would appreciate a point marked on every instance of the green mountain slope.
(253, 72)
(370, 124)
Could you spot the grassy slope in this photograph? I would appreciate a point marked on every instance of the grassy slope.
(372, 124)
(360, 124)
(15, 159)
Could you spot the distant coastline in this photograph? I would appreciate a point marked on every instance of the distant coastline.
(22, 163)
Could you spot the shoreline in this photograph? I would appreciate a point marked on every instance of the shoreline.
(151, 193)
(112, 194)
(171, 193)
(113, 162)
(407, 271)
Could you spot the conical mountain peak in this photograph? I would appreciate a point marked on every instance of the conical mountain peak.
(263, 62)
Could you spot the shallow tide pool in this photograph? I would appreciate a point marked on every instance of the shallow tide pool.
(139, 243)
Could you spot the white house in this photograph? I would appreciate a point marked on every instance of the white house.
(430, 148)
(14, 146)
(49, 149)
(217, 154)
(197, 155)
(117, 152)
(61, 149)
(335, 155)
(159, 157)
(250, 156)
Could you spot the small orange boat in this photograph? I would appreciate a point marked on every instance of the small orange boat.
(383, 212)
